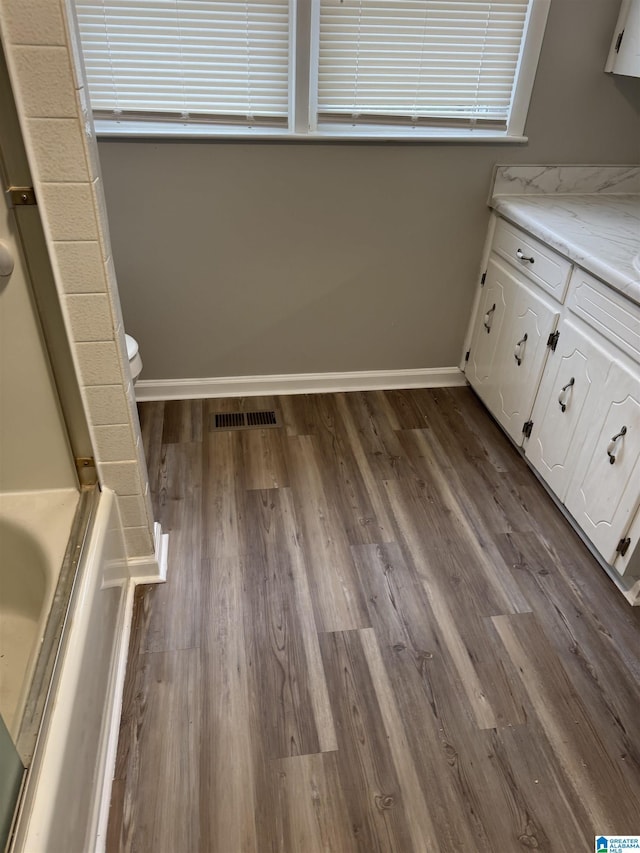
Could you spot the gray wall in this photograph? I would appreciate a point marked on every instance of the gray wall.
(253, 259)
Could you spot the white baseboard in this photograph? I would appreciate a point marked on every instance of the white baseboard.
(152, 569)
(297, 383)
(141, 570)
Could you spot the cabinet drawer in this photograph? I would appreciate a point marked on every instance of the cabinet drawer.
(609, 312)
(538, 262)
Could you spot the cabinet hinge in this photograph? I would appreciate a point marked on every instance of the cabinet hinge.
(467, 354)
(526, 429)
(623, 546)
(619, 41)
(483, 278)
(552, 340)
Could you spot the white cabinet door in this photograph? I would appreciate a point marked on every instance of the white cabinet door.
(482, 369)
(624, 56)
(574, 372)
(603, 496)
(521, 354)
(509, 345)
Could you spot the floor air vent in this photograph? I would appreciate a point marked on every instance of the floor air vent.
(261, 419)
(229, 420)
(245, 420)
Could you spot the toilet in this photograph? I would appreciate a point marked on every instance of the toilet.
(135, 362)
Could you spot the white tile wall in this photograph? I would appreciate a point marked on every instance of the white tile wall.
(100, 207)
(140, 459)
(46, 68)
(131, 395)
(107, 404)
(89, 316)
(33, 22)
(80, 267)
(86, 116)
(133, 510)
(113, 441)
(58, 143)
(98, 363)
(148, 505)
(89, 138)
(123, 477)
(112, 292)
(43, 81)
(139, 541)
(70, 211)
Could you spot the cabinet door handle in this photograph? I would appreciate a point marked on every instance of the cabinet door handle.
(488, 318)
(520, 255)
(562, 399)
(611, 450)
(519, 346)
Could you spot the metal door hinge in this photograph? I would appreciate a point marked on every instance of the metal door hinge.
(19, 196)
(623, 546)
(86, 468)
(467, 354)
(552, 340)
(483, 278)
(526, 429)
(619, 41)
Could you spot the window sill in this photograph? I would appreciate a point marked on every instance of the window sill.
(107, 129)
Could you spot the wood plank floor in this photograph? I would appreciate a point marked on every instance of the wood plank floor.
(378, 634)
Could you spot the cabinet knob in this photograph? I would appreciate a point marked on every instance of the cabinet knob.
(488, 318)
(562, 399)
(520, 255)
(519, 348)
(613, 446)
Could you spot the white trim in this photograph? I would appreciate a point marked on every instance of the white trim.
(152, 569)
(297, 383)
(300, 69)
(108, 128)
(529, 58)
(486, 252)
(314, 58)
(110, 744)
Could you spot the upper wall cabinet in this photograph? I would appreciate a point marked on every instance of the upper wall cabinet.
(624, 56)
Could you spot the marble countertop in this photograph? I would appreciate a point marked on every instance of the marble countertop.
(595, 224)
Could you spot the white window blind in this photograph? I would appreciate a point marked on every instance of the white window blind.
(187, 59)
(419, 62)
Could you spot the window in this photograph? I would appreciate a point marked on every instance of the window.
(187, 60)
(312, 68)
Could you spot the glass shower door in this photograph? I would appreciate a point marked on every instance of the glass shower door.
(11, 772)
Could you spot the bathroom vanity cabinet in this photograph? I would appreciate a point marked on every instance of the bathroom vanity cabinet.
(555, 356)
